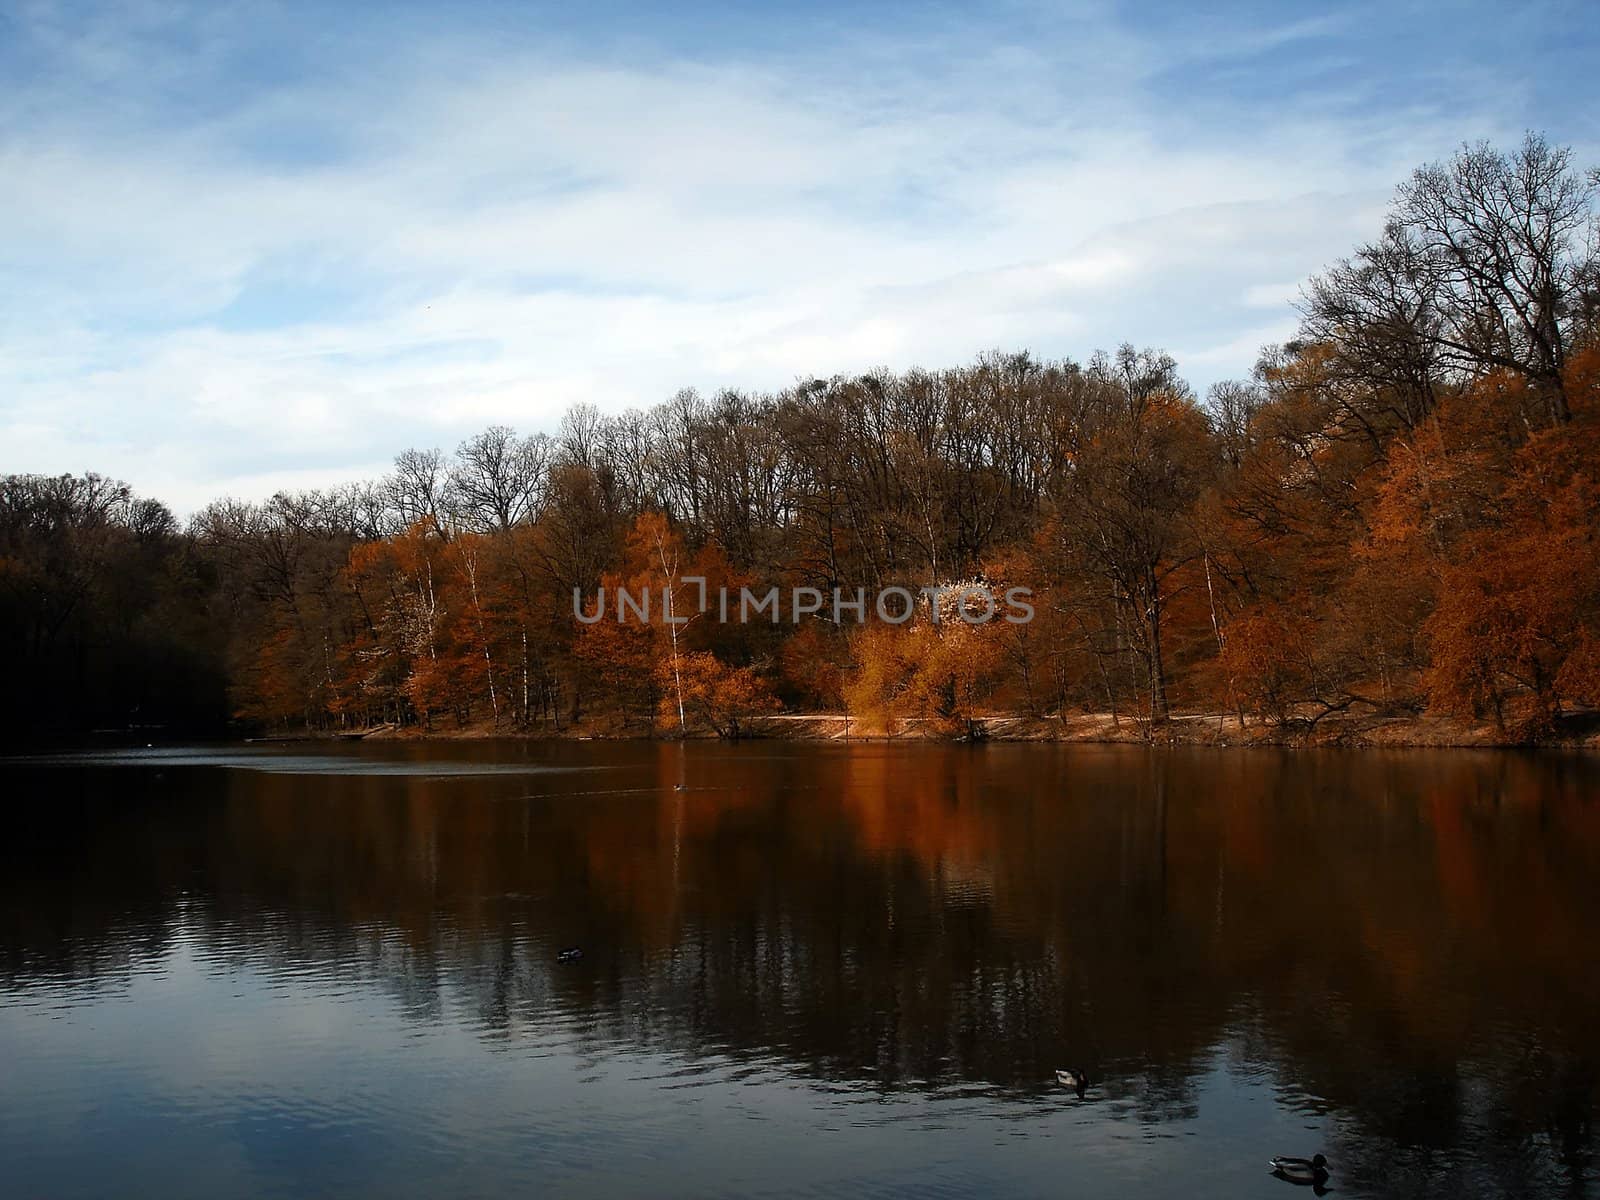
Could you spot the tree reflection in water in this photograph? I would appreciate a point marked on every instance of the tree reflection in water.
(1399, 940)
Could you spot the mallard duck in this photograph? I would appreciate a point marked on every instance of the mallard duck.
(570, 955)
(1077, 1080)
(1301, 1170)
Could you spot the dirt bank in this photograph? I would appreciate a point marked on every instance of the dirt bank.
(1211, 729)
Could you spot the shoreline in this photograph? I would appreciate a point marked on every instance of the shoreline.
(1223, 731)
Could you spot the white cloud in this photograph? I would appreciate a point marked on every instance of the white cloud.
(501, 236)
(1271, 295)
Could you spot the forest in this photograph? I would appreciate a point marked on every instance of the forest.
(1396, 516)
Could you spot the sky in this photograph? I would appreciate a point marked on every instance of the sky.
(261, 246)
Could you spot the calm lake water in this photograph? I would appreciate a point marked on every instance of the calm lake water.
(808, 971)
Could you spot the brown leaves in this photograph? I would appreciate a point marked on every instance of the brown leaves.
(1268, 657)
(1519, 607)
(941, 674)
(715, 695)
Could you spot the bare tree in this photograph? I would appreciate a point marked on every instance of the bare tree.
(1231, 405)
(580, 436)
(417, 487)
(498, 479)
(1487, 263)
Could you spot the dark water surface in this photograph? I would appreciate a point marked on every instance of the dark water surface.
(812, 971)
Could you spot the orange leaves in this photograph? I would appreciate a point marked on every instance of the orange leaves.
(624, 654)
(1579, 676)
(812, 664)
(1583, 379)
(885, 664)
(715, 695)
(1268, 657)
(438, 619)
(648, 667)
(1485, 637)
(942, 674)
(1519, 609)
(622, 658)
(273, 690)
(429, 686)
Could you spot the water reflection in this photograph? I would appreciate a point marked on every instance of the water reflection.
(1384, 956)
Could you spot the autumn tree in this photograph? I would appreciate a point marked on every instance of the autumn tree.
(701, 691)
(1141, 459)
(939, 669)
(1518, 614)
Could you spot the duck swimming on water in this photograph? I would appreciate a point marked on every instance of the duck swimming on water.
(1073, 1078)
(570, 955)
(1313, 1170)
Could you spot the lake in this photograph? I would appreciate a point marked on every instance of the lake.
(808, 970)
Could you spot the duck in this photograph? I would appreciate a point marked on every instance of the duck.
(1074, 1078)
(570, 955)
(1313, 1170)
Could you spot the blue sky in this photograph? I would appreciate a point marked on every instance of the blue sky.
(271, 245)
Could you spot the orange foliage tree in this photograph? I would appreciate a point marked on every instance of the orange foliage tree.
(651, 646)
(939, 669)
(1519, 608)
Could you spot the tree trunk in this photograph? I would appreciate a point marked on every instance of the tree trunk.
(1158, 668)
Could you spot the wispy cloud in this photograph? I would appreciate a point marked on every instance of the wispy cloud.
(239, 252)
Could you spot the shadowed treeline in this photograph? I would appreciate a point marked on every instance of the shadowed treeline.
(1390, 938)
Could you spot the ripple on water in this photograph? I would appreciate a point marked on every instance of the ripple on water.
(846, 973)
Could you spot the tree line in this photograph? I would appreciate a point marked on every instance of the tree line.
(1397, 511)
